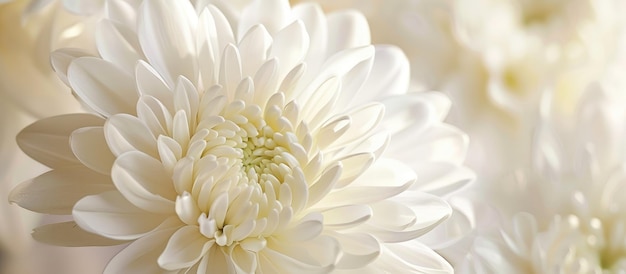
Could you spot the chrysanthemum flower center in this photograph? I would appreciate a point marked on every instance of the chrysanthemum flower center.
(241, 172)
(262, 155)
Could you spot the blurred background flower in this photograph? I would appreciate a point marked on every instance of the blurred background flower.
(564, 212)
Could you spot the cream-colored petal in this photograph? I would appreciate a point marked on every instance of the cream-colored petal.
(122, 11)
(314, 21)
(316, 110)
(346, 216)
(149, 82)
(165, 32)
(306, 228)
(47, 140)
(90, 147)
(290, 46)
(61, 60)
(155, 115)
(322, 250)
(273, 14)
(411, 113)
(362, 194)
(56, 191)
(441, 142)
(184, 248)
(141, 255)
(144, 182)
(70, 234)
(337, 65)
(429, 211)
(102, 86)
(216, 261)
(411, 257)
(271, 261)
(126, 133)
(363, 121)
(253, 48)
(442, 178)
(346, 30)
(244, 260)
(324, 184)
(353, 166)
(109, 214)
(358, 249)
(230, 69)
(386, 172)
(389, 75)
(119, 45)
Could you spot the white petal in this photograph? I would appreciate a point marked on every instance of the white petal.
(363, 121)
(56, 191)
(110, 215)
(290, 46)
(429, 212)
(216, 261)
(413, 257)
(144, 182)
(318, 107)
(123, 12)
(223, 33)
(155, 115)
(271, 261)
(126, 133)
(322, 250)
(337, 65)
(358, 249)
(186, 98)
(346, 216)
(442, 142)
(307, 228)
(165, 33)
(389, 75)
(230, 69)
(149, 82)
(314, 21)
(362, 194)
(412, 110)
(61, 60)
(103, 86)
(90, 147)
(244, 260)
(324, 184)
(70, 234)
(347, 29)
(47, 140)
(184, 248)
(119, 45)
(442, 178)
(266, 81)
(386, 172)
(353, 166)
(272, 14)
(141, 255)
(253, 48)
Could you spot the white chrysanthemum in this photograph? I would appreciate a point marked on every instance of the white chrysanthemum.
(279, 143)
(570, 214)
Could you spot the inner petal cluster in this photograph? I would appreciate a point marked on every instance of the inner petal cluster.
(235, 167)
